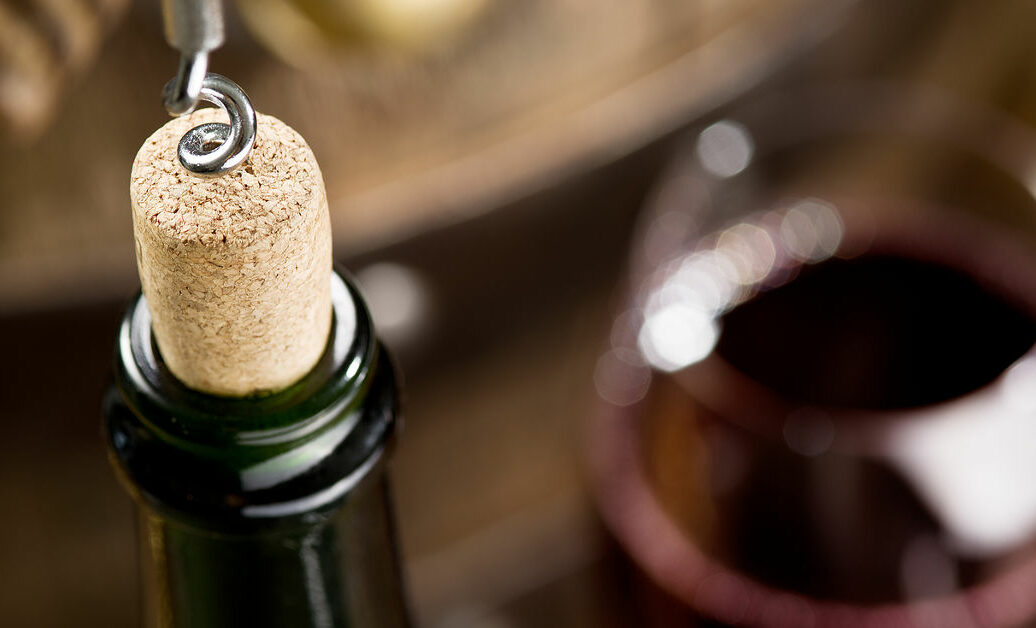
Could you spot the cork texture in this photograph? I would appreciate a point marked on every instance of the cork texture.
(235, 268)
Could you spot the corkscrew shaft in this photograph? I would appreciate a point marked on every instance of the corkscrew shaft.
(194, 28)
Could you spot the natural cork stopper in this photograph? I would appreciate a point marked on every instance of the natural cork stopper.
(236, 268)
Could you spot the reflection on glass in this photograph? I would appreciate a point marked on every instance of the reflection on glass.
(676, 335)
(811, 230)
(681, 317)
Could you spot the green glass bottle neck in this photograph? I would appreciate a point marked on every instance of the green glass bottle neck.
(284, 454)
(266, 511)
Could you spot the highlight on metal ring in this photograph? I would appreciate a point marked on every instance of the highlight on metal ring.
(216, 148)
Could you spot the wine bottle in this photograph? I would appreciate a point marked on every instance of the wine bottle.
(264, 511)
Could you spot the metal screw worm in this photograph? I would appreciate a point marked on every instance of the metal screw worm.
(216, 148)
(195, 27)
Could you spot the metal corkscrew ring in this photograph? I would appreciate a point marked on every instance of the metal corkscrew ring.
(216, 148)
(195, 27)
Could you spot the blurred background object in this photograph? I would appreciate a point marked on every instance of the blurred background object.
(485, 172)
(44, 46)
(811, 402)
(308, 33)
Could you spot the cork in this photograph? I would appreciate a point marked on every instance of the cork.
(235, 268)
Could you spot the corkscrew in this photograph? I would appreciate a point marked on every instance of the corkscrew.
(195, 28)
